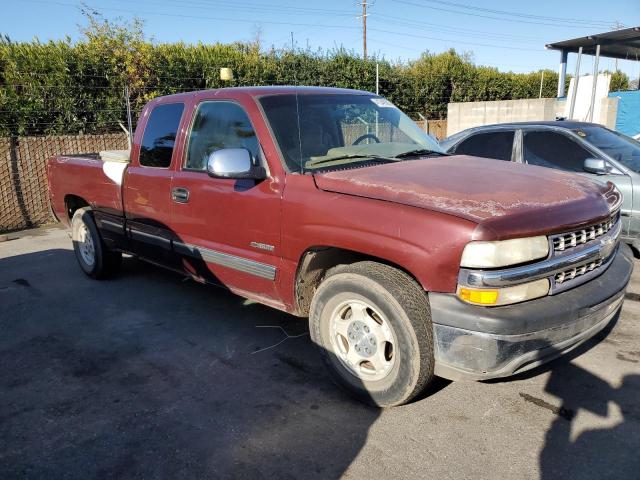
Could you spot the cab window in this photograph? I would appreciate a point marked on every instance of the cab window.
(554, 150)
(219, 125)
(497, 145)
(160, 135)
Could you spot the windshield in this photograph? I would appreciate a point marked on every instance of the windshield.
(331, 130)
(624, 149)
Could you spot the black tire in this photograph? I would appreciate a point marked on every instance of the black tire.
(105, 262)
(403, 304)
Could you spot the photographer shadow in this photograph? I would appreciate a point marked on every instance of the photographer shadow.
(608, 447)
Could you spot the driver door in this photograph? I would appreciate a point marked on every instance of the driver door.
(229, 229)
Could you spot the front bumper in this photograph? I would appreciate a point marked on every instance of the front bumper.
(478, 343)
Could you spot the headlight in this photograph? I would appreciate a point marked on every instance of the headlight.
(502, 253)
(504, 296)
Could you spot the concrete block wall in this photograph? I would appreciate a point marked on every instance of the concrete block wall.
(608, 112)
(461, 116)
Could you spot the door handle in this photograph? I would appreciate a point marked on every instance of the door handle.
(180, 195)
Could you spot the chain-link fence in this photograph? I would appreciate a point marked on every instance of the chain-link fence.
(24, 201)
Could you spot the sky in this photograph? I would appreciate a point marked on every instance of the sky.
(501, 33)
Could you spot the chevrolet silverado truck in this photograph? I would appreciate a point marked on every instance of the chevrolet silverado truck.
(332, 204)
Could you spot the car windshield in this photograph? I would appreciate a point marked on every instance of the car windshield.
(320, 131)
(624, 149)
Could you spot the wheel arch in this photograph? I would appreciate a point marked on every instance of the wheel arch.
(72, 203)
(316, 261)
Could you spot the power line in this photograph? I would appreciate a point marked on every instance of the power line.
(244, 6)
(307, 30)
(493, 17)
(364, 4)
(455, 30)
(196, 17)
(367, 3)
(389, 32)
(518, 14)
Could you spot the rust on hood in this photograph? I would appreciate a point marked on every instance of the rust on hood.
(505, 199)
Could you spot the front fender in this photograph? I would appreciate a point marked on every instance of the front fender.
(426, 244)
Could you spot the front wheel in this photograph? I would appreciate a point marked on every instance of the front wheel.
(372, 324)
(93, 256)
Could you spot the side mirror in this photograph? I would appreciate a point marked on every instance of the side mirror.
(596, 165)
(234, 163)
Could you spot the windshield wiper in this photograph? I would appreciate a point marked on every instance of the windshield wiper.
(420, 151)
(354, 156)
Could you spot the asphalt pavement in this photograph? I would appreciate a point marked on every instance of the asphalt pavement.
(150, 375)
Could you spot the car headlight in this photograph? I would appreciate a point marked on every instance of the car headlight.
(504, 296)
(481, 254)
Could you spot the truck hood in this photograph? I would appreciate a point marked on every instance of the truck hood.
(505, 199)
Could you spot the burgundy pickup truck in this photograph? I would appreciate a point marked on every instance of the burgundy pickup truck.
(332, 204)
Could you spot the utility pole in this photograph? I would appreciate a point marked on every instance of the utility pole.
(364, 5)
(618, 26)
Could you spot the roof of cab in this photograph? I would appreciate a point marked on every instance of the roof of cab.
(270, 90)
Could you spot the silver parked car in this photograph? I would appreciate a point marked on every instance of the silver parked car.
(586, 148)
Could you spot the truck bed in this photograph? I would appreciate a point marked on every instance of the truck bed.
(88, 177)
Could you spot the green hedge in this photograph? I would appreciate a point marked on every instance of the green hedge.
(66, 87)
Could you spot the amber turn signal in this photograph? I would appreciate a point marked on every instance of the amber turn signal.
(481, 297)
(506, 295)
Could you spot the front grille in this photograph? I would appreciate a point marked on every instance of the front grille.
(576, 258)
(574, 272)
(568, 240)
(566, 244)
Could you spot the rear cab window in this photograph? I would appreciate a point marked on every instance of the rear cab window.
(160, 134)
(498, 145)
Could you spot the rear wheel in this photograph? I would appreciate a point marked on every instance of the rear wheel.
(93, 256)
(372, 324)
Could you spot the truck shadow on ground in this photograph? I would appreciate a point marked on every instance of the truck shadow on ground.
(148, 376)
(605, 451)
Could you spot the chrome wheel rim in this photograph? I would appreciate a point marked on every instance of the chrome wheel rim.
(86, 246)
(363, 340)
